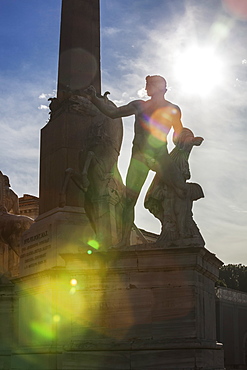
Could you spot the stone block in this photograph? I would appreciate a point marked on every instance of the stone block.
(63, 230)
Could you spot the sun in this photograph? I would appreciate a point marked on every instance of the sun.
(198, 70)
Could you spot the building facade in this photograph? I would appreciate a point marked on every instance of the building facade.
(231, 321)
(29, 206)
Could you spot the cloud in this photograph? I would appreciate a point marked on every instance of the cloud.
(47, 96)
(42, 106)
(20, 125)
(43, 96)
(110, 31)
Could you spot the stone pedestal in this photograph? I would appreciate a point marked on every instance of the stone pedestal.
(62, 230)
(143, 308)
(7, 299)
(9, 261)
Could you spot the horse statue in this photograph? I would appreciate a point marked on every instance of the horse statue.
(98, 176)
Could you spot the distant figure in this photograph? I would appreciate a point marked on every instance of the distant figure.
(153, 120)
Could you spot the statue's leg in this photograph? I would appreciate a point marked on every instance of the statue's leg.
(136, 176)
(62, 196)
(85, 181)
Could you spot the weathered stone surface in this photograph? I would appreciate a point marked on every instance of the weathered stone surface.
(62, 230)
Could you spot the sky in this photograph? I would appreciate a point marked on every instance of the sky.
(199, 46)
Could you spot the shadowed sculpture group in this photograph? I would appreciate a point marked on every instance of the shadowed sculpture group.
(12, 225)
(97, 175)
(170, 197)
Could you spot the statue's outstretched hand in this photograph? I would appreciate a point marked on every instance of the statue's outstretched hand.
(197, 140)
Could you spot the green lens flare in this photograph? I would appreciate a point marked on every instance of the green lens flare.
(93, 243)
(42, 330)
(56, 318)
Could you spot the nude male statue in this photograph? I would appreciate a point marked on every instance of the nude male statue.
(153, 120)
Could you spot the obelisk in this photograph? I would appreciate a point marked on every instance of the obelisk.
(79, 66)
(79, 54)
(58, 229)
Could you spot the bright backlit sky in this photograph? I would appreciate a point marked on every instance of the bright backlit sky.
(199, 46)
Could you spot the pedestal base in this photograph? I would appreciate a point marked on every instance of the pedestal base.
(147, 307)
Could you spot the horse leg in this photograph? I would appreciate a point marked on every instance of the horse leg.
(85, 181)
(62, 196)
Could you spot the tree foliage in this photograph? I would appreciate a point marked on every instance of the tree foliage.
(233, 277)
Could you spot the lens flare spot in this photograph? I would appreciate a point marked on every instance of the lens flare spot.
(41, 330)
(73, 282)
(221, 29)
(56, 318)
(159, 125)
(237, 8)
(72, 290)
(89, 251)
(93, 243)
(78, 77)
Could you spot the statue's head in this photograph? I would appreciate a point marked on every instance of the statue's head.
(155, 83)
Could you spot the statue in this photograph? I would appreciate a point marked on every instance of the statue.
(12, 226)
(8, 198)
(153, 120)
(175, 213)
(98, 176)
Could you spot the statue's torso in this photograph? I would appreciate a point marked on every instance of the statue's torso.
(152, 125)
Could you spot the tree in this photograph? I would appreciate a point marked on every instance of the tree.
(233, 277)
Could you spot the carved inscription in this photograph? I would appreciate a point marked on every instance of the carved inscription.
(34, 250)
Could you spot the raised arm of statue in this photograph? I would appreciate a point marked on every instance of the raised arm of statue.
(109, 110)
